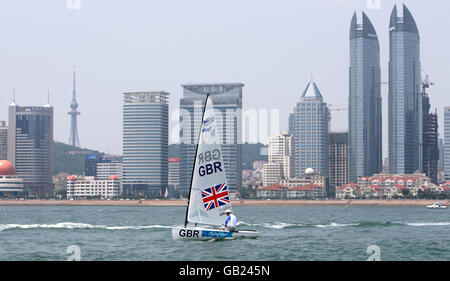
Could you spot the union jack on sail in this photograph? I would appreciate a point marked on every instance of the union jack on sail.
(215, 196)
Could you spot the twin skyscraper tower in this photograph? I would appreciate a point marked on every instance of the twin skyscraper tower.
(404, 97)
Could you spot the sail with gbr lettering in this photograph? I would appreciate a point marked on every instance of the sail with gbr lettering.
(209, 191)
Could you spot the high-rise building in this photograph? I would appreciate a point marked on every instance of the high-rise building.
(30, 145)
(227, 100)
(405, 99)
(74, 139)
(338, 162)
(174, 171)
(102, 166)
(174, 176)
(90, 165)
(364, 118)
(309, 127)
(3, 141)
(441, 154)
(447, 143)
(281, 159)
(430, 134)
(145, 143)
(109, 166)
(271, 173)
(280, 149)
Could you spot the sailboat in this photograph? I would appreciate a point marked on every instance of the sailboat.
(208, 195)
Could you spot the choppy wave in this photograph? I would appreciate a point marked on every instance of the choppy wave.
(73, 225)
(334, 224)
(276, 225)
(428, 224)
(386, 224)
(280, 225)
(364, 224)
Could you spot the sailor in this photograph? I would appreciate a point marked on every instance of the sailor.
(230, 223)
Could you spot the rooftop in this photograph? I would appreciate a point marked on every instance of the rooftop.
(146, 97)
(312, 91)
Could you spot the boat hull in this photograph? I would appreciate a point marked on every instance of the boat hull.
(435, 207)
(186, 233)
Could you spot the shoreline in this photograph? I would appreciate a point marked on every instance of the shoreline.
(247, 202)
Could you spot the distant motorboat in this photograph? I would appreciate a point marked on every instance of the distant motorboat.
(437, 205)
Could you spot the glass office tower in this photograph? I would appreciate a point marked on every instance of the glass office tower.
(309, 126)
(405, 99)
(145, 143)
(227, 101)
(364, 103)
(30, 146)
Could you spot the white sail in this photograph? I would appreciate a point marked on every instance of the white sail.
(209, 196)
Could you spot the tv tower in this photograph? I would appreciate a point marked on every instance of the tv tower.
(73, 139)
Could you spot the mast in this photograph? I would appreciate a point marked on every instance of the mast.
(195, 160)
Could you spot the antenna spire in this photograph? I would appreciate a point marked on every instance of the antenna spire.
(73, 138)
(74, 95)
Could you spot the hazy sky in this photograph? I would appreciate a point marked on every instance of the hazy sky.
(272, 46)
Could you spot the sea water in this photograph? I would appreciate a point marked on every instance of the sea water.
(287, 233)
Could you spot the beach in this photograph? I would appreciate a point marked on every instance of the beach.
(247, 202)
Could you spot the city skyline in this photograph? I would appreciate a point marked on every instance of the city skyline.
(282, 67)
(238, 131)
